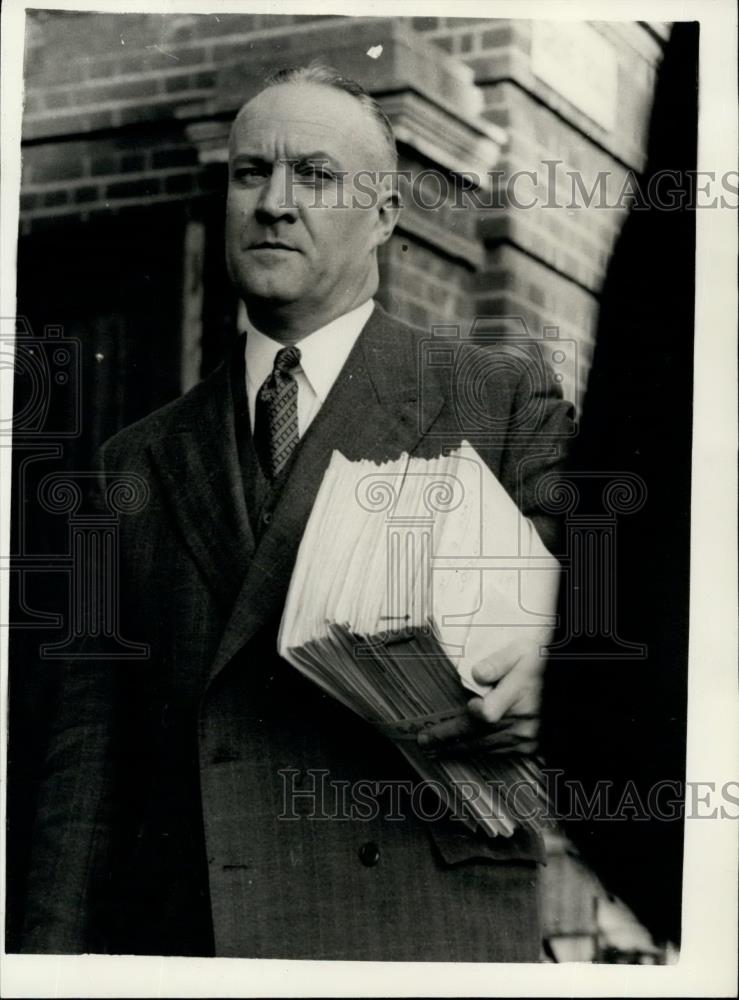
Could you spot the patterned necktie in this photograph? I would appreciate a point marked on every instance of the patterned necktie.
(276, 414)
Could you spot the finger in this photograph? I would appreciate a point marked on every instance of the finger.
(518, 728)
(494, 667)
(464, 727)
(510, 729)
(515, 715)
(500, 741)
(513, 734)
(505, 742)
(451, 729)
(519, 746)
(511, 690)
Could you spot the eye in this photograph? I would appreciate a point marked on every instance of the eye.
(317, 173)
(250, 173)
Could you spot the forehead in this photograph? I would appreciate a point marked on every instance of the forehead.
(293, 118)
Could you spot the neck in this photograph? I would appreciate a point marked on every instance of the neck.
(289, 322)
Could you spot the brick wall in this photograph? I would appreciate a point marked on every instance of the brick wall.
(108, 97)
(109, 100)
(105, 130)
(104, 98)
(548, 264)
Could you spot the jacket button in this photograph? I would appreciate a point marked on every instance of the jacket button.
(369, 854)
(267, 517)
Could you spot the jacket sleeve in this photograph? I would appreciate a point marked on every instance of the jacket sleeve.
(71, 852)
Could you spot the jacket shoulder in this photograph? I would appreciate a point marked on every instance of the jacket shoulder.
(457, 363)
(177, 415)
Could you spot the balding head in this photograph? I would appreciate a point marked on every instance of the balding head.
(380, 136)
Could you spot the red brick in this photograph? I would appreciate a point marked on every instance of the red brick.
(183, 156)
(205, 80)
(106, 165)
(462, 22)
(56, 99)
(425, 23)
(61, 71)
(488, 68)
(133, 189)
(187, 55)
(138, 113)
(466, 42)
(213, 25)
(183, 81)
(50, 220)
(185, 31)
(31, 103)
(178, 184)
(417, 314)
(54, 198)
(104, 67)
(155, 59)
(501, 35)
(56, 164)
(119, 90)
(98, 120)
(133, 163)
(87, 193)
(444, 42)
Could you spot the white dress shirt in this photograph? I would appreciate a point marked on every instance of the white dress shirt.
(322, 356)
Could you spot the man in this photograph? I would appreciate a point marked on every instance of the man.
(173, 818)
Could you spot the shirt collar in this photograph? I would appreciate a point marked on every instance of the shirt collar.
(322, 353)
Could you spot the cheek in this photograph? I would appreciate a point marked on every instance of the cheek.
(239, 206)
(350, 231)
(238, 211)
(234, 222)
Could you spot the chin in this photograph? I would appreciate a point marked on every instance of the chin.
(278, 296)
(268, 287)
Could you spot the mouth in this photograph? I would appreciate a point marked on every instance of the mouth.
(272, 245)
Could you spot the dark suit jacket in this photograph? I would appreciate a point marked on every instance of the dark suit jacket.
(163, 825)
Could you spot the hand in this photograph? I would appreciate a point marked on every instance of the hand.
(506, 718)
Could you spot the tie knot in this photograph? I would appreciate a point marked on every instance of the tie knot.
(287, 359)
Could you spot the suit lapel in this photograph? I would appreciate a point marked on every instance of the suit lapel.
(200, 473)
(372, 412)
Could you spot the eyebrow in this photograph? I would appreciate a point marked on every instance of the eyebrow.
(317, 156)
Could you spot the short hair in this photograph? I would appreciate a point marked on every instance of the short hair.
(327, 76)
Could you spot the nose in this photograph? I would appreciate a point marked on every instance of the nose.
(276, 200)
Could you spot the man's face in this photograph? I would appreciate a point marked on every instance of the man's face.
(297, 243)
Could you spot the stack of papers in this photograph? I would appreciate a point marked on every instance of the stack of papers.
(408, 574)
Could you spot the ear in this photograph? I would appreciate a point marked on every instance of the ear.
(388, 211)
